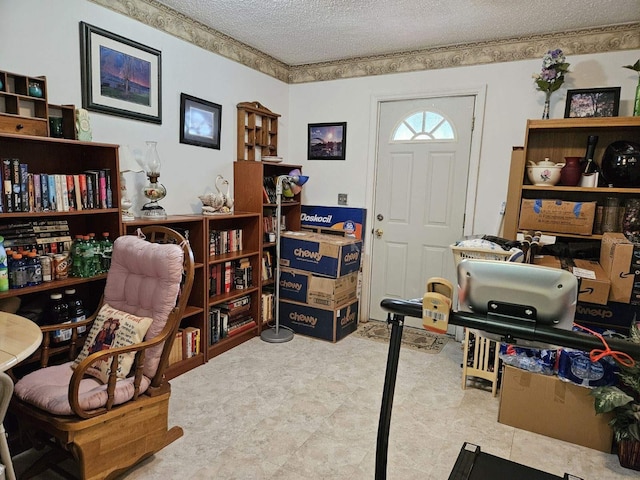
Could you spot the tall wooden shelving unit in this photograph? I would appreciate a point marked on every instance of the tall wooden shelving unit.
(256, 121)
(59, 156)
(198, 229)
(556, 139)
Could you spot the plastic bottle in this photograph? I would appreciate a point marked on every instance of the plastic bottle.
(34, 269)
(106, 250)
(58, 312)
(18, 272)
(95, 259)
(86, 252)
(76, 257)
(4, 267)
(76, 308)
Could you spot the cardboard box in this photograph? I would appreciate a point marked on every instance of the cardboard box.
(305, 287)
(594, 283)
(546, 405)
(326, 324)
(350, 221)
(620, 260)
(326, 255)
(612, 316)
(557, 216)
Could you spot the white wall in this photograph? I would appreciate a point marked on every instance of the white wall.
(41, 37)
(511, 99)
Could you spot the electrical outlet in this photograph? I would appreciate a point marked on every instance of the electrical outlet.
(342, 199)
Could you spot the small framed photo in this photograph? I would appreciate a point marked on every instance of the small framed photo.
(200, 122)
(327, 141)
(592, 102)
(119, 76)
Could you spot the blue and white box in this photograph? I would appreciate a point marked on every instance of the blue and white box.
(325, 255)
(331, 325)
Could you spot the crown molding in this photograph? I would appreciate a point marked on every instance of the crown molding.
(578, 42)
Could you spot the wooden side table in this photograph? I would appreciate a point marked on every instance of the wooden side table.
(19, 338)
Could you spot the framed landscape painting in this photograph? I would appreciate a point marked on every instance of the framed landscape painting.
(592, 102)
(327, 141)
(119, 76)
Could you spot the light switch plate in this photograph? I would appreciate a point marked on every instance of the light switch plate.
(342, 199)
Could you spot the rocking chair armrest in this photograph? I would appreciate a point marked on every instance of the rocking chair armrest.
(111, 356)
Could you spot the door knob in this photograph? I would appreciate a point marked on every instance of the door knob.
(378, 232)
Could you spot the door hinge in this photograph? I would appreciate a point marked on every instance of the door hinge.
(464, 220)
(473, 123)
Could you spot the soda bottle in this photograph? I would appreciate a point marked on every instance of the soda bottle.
(34, 269)
(76, 257)
(95, 260)
(18, 273)
(4, 267)
(87, 262)
(58, 312)
(76, 308)
(107, 251)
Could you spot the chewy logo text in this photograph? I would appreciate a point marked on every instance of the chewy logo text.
(302, 253)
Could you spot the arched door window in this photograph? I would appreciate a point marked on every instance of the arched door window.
(423, 126)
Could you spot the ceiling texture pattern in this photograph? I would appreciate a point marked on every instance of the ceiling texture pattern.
(299, 41)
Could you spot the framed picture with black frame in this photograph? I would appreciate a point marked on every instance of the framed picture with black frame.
(327, 141)
(119, 76)
(200, 122)
(592, 102)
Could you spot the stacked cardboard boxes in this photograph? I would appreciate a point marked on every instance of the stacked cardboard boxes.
(319, 284)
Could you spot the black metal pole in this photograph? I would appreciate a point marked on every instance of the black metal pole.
(397, 322)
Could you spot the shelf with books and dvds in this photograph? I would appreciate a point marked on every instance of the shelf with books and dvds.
(36, 226)
(233, 283)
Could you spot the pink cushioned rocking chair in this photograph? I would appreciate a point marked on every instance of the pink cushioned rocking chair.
(109, 427)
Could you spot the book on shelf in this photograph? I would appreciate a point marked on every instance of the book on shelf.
(214, 325)
(24, 186)
(37, 193)
(44, 192)
(71, 193)
(267, 307)
(175, 355)
(7, 186)
(16, 198)
(243, 274)
(190, 342)
(242, 326)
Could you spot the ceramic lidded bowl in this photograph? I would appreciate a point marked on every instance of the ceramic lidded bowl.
(544, 172)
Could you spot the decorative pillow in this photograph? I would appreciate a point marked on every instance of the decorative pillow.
(113, 328)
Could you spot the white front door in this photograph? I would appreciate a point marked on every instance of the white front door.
(420, 195)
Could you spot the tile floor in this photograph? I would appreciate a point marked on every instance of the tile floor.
(308, 410)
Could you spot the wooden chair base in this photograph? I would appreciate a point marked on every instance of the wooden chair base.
(484, 359)
(109, 444)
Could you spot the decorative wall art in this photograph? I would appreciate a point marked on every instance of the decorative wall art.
(119, 76)
(327, 141)
(200, 122)
(592, 102)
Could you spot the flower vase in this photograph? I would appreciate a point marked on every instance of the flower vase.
(636, 103)
(547, 102)
(571, 172)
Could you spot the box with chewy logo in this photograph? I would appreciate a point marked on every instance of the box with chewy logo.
(325, 255)
(326, 324)
(305, 287)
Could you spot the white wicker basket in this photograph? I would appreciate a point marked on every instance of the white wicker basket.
(460, 253)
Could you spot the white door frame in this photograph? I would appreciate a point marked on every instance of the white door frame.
(480, 92)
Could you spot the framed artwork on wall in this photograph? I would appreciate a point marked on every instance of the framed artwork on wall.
(119, 76)
(592, 102)
(200, 122)
(327, 141)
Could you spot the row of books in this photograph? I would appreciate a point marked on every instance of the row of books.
(227, 276)
(44, 236)
(267, 307)
(230, 318)
(23, 191)
(225, 241)
(267, 265)
(185, 345)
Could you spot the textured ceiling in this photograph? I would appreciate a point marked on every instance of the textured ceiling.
(299, 32)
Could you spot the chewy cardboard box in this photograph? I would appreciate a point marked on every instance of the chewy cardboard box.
(326, 255)
(557, 216)
(326, 324)
(305, 287)
(612, 316)
(546, 405)
(594, 284)
(620, 260)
